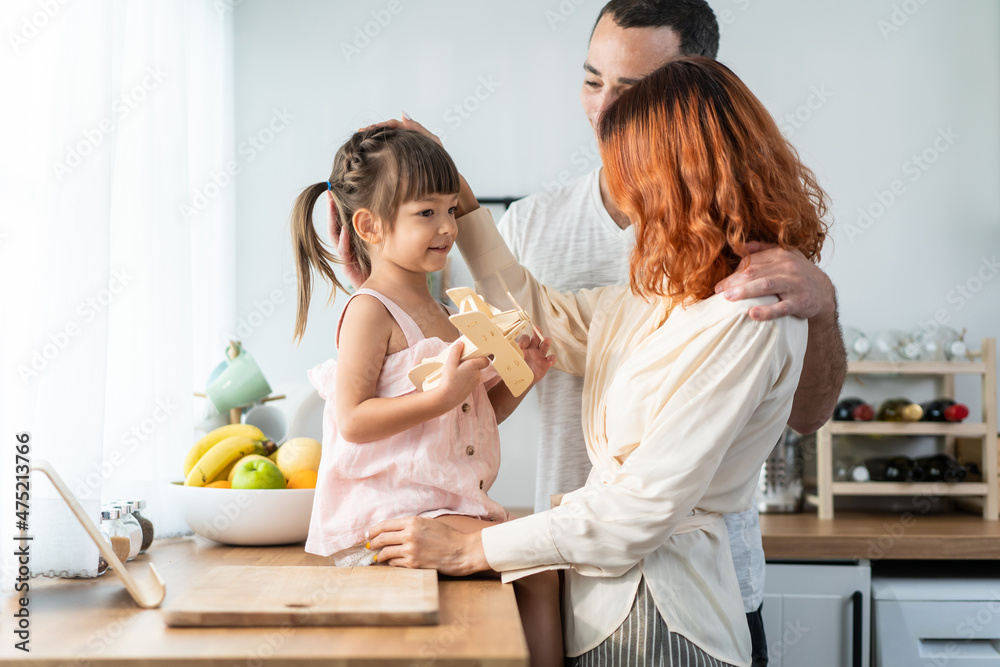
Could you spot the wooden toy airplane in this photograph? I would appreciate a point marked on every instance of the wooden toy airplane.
(486, 331)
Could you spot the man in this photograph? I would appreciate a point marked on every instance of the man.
(576, 238)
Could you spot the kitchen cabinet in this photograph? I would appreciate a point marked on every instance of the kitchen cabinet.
(815, 565)
(818, 615)
(937, 616)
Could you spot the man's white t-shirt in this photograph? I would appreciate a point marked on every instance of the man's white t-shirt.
(569, 241)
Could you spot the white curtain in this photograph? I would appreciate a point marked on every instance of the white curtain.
(115, 248)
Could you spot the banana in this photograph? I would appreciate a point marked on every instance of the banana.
(222, 454)
(225, 472)
(216, 436)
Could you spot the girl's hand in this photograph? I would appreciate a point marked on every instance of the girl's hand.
(417, 542)
(459, 378)
(535, 353)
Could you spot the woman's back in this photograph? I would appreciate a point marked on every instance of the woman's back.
(649, 363)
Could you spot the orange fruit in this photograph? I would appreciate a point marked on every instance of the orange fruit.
(221, 484)
(303, 479)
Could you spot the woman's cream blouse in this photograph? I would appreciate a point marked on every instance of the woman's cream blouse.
(680, 408)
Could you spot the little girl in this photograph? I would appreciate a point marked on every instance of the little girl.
(389, 450)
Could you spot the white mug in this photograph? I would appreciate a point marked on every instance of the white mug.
(269, 419)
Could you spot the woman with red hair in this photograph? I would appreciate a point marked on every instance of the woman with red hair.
(684, 394)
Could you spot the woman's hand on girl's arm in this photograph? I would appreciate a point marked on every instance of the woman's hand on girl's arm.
(363, 417)
(418, 542)
(467, 201)
(536, 354)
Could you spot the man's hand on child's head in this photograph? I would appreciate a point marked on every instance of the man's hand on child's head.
(536, 351)
(405, 123)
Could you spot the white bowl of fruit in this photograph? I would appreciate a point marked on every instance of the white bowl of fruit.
(240, 488)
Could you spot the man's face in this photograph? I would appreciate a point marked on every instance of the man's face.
(617, 58)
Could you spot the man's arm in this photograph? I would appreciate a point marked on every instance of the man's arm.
(806, 292)
(823, 370)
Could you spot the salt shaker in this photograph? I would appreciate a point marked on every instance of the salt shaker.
(134, 529)
(111, 525)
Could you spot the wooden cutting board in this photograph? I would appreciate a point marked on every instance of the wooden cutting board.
(317, 595)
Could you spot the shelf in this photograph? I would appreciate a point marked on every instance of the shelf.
(909, 488)
(987, 489)
(908, 428)
(916, 367)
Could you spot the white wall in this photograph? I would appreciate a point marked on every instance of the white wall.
(878, 99)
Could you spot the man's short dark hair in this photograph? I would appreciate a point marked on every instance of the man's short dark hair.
(692, 20)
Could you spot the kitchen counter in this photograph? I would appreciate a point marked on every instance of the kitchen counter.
(878, 536)
(873, 536)
(95, 622)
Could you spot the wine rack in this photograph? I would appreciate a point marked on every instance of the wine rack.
(985, 491)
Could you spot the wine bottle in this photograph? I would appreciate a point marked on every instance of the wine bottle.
(944, 410)
(894, 345)
(942, 468)
(892, 469)
(943, 344)
(853, 409)
(900, 410)
(857, 344)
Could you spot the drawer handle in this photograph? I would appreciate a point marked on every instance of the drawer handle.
(970, 649)
(857, 600)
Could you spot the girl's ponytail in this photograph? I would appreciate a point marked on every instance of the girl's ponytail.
(309, 252)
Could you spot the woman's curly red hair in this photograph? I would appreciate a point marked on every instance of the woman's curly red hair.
(699, 166)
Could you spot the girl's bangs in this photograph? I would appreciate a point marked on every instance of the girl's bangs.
(426, 172)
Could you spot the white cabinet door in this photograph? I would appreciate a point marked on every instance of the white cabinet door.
(811, 611)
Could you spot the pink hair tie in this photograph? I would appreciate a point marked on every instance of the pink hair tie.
(341, 237)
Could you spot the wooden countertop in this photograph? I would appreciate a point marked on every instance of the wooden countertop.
(874, 536)
(95, 622)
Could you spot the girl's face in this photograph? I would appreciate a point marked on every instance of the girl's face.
(422, 234)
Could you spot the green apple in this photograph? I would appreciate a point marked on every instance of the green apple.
(257, 474)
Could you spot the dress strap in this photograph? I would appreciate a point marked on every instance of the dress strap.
(410, 329)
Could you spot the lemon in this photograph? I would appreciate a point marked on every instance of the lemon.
(296, 455)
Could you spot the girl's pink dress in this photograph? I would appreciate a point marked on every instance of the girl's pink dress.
(443, 466)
